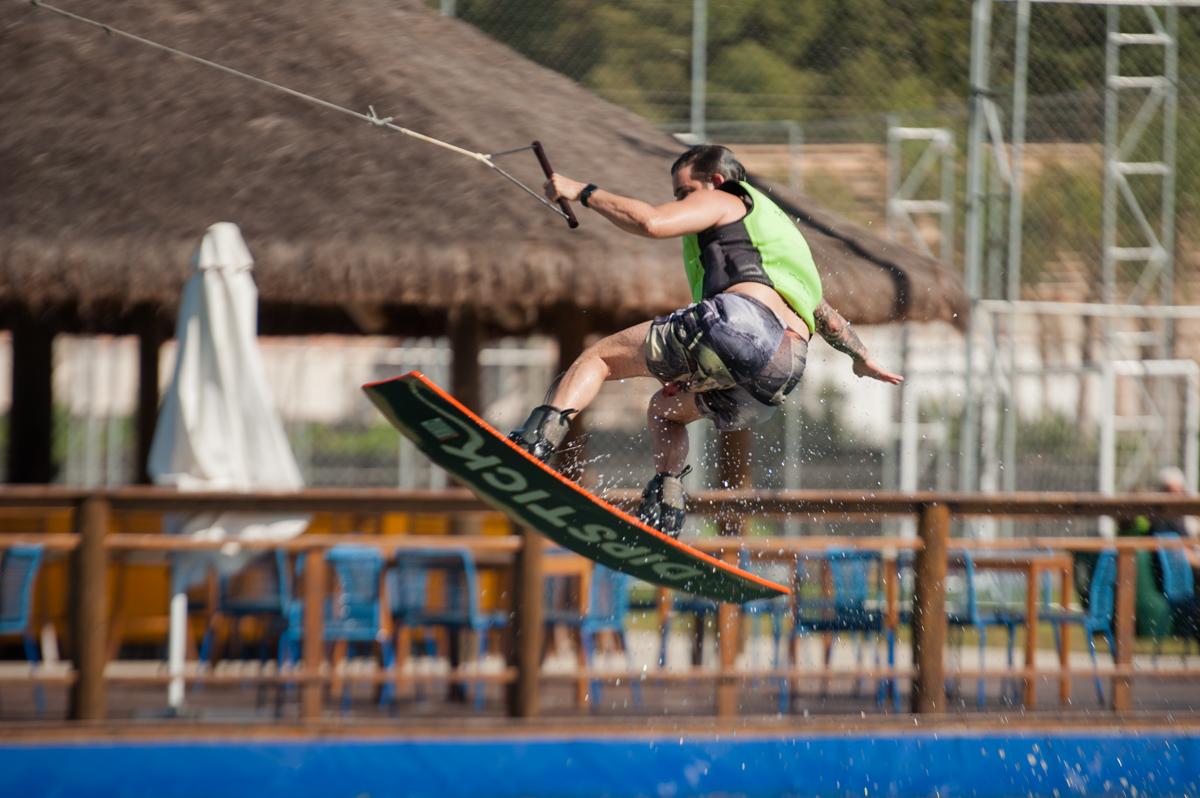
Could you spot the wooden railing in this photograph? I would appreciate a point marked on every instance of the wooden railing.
(91, 542)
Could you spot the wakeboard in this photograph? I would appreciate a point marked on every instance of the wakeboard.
(536, 496)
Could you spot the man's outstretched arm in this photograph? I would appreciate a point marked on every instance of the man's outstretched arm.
(698, 211)
(838, 333)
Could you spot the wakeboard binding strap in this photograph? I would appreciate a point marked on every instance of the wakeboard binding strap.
(544, 431)
(664, 503)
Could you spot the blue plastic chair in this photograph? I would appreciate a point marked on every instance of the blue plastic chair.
(1098, 617)
(18, 570)
(855, 605)
(352, 610)
(563, 602)
(451, 600)
(963, 610)
(701, 608)
(270, 598)
(687, 604)
(1178, 586)
(774, 608)
(607, 612)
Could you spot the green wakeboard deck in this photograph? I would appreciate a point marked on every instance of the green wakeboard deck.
(536, 496)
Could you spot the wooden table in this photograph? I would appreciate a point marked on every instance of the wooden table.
(1032, 564)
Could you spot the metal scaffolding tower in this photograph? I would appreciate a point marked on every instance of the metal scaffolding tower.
(909, 193)
(1139, 148)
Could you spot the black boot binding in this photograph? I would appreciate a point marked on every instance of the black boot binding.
(663, 504)
(544, 431)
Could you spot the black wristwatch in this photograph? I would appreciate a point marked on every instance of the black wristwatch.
(588, 190)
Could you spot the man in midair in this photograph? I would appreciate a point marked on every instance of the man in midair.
(734, 355)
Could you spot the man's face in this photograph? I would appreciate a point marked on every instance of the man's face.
(685, 184)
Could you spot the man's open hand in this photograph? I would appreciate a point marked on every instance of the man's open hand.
(867, 367)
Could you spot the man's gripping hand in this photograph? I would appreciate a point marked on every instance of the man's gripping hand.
(559, 187)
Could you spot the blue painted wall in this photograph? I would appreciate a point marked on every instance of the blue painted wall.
(918, 764)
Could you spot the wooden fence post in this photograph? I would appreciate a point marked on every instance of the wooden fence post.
(733, 471)
(929, 611)
(1123, 623)
(89, 611)
(528, 619)
(729, 638)
(313, 654)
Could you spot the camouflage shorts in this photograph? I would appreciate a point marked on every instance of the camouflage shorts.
(733, 352)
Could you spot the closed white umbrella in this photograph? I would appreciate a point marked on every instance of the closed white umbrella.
(218, 428)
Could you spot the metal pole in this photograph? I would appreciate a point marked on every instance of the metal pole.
(981, 23)
(909, 446)
(792, 453)
(1015, 199)
(1108, 291)
(177, 632)
(1191, 433)
(948, 197)
(699, 67)
(1108, 440)
(891, 223)
(1170, 116)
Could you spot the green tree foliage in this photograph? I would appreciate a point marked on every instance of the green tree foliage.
(808, 59)
(769, 59)
(843, 63)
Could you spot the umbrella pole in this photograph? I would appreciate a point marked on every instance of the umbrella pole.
(176, 639)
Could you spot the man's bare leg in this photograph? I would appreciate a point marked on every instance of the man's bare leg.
(664, 503)
(617, 357)
(668, 417)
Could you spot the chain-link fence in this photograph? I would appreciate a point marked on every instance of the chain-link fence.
(861, 104)
(846, 101)
(806, 75)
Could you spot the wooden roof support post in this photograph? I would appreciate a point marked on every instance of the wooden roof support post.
(150, 340)
(30, 419)
(528, 618)
(571, 329)
(466, 339)
(734, 471)
(89, 611)
(1123, 627)
(929, 611)
(314, 633)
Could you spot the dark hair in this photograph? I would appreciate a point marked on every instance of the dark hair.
(707, 160)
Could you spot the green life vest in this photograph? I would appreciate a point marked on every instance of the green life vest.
(763, 246)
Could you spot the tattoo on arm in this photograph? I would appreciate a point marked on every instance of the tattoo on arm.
(837, 331)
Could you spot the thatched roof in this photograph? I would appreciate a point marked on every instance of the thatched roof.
(116, 157)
